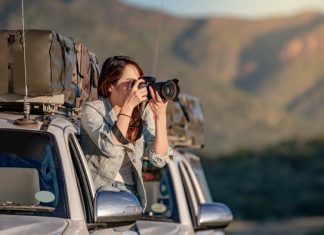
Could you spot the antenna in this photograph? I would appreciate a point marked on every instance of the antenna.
(26, 120)
(157, 43)
(24, 47)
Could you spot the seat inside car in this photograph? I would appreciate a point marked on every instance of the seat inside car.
(19, 185)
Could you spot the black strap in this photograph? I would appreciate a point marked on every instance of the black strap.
(79, 66)
(11, 40)
(95, 71)
(64, 49)
(119, 136)
(92, 82)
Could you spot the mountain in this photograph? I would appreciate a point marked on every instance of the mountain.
(260, 82)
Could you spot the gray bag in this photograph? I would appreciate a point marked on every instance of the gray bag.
(185, 122)
(50, 60)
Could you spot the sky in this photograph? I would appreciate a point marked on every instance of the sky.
(231, 8)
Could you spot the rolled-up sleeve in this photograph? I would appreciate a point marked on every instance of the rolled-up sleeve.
(100, 133)
(156, 159)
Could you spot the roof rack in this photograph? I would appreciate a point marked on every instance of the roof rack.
(38, 105)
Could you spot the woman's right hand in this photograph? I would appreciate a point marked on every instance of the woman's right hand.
(136, 95)
(134, 98)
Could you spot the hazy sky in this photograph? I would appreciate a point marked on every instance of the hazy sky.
(238, 8)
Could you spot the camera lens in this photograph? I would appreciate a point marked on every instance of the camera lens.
(170, 90)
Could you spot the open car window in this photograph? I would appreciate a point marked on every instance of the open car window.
(31, 181)
(161, 201)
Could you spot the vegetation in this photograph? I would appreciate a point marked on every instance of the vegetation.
(282, 181)
(317, 232)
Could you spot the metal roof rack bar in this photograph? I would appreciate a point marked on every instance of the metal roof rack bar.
(38, 105)
(54, 99)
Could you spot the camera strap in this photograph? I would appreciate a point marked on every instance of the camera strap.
(134, 131)
(119, 136)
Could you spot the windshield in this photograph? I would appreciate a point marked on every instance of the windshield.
(161, 201)
(31, 177)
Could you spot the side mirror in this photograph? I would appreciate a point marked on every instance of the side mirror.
(116, 207)
(214, 216)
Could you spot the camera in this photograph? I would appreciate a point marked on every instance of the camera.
(168, 90)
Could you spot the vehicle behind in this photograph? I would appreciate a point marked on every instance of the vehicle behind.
(179, 199)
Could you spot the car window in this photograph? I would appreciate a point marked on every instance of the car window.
(161, 201)
(31, 181)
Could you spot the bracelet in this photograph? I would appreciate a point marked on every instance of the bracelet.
(122, 114)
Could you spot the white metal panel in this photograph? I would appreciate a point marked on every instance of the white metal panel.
(72, 192)
(183, 209)
(191, 189)
(86, 168)
(146, 227)
(196, 184)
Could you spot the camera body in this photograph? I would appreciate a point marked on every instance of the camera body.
(168, 90)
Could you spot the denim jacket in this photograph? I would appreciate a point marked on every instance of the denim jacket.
(105, 157)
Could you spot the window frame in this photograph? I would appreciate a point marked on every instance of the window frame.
(82, 178)
(191, 194)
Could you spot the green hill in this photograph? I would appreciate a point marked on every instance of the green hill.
(259, 81)
(281, 181)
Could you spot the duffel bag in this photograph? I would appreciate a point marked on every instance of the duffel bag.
(50, 60)
(85, 75)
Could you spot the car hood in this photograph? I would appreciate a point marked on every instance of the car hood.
(17, 224)
(147, 227)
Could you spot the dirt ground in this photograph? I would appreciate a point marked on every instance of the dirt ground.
(298, 226)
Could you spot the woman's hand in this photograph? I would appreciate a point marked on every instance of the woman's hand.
(158, 105)
(136, 95)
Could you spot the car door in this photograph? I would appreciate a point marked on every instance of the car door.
(194, 195)
(162, 214)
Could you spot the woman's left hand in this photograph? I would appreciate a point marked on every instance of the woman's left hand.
(158, 105)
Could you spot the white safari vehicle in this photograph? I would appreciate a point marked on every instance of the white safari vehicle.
(179, 200)
(45, 184)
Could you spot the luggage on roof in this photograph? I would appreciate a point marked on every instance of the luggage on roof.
(86, 74)
(50, 59)
(185, 122)
(54, 65)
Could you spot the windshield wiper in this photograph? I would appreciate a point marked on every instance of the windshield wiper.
(12, 206)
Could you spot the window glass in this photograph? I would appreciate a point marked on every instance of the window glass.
(31, 181)
(161, 201)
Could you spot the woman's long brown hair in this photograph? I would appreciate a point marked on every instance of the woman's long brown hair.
(111, 72)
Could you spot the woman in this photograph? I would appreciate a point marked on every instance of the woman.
(119, 128)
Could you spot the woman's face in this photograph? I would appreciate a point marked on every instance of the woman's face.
(121, 89)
